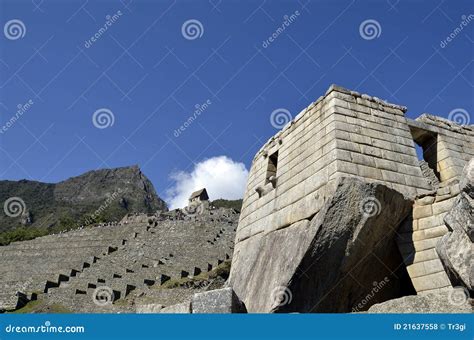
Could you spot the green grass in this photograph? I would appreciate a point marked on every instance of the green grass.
(21, 234)
(223, 270)
(221, 203)
(38, 306)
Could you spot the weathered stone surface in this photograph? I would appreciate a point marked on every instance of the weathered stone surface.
(455, 249)
(328, 264)
(461, 216)
(446, 301)
(466, 183)
(180, 308)
(217, 301)
(149, 309)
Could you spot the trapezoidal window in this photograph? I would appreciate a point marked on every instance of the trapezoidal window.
(272, 167)
(427, 152)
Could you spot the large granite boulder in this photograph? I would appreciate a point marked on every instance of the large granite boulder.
(345, 258)
(180, 308)
(447, 301)
(220, 301)
(466, 182)
(455, 249)
(149, 309)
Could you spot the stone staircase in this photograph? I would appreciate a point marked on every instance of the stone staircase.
(136, 253)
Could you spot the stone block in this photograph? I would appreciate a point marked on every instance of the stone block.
(429, 222)
(394, 177)
(425, 200)
(436, 301)
(431, 281)
(443, 207)
(180, 308)
(435, 232)
(433, 266)
(219, 301)
(371, 151)
(149, 309)
(362, 159)
(424, 255)
(422, 211)
(385, 164)
(369, 172)
(416, 270)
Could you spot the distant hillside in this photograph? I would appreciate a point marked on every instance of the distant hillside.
(221, 203)
(103, 195)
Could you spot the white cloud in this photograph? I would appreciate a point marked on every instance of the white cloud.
(221, 176)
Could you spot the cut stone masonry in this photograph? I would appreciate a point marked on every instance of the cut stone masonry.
(348, 134)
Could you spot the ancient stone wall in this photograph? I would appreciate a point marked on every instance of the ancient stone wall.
(348, 134)
(305, 149)
(140, 253)
(447, 148)
(341, 134)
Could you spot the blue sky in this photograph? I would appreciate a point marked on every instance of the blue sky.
(149, 76)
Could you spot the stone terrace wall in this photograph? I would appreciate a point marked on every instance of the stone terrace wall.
(343, 133)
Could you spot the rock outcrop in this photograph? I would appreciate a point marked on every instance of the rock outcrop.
(218, 301)
(455, 249)
(329, 263)
(447, 301)
(466, 182)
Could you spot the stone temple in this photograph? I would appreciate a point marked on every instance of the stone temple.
(342, 136)
(339, 215)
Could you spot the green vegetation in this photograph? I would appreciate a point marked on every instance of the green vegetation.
(223, 271)
(65, 219)
(38, 306)
(97, 196)
(221, 203)
(21, 234)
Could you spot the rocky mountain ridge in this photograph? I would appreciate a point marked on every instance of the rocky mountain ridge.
(96, 196)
